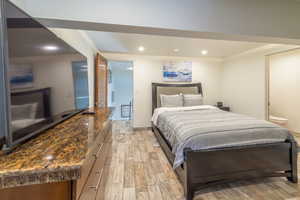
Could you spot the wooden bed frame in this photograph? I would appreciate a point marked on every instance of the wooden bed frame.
(204, 168)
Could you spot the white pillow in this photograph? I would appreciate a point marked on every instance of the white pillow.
(192, 99)
(25, 111)
(171, 100)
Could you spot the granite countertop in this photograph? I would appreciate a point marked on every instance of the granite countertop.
(55, 155)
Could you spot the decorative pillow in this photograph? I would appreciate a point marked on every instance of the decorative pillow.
(25, 111)
(192, 100)
(171, 100)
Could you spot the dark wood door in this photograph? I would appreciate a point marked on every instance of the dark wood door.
(101, 79)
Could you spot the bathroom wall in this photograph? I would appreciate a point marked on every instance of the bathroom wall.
(121, 85)
(285, 87)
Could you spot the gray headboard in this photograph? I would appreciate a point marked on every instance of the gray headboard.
(41, 96)
(169, 89)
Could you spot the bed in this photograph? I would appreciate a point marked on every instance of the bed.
(194, 143)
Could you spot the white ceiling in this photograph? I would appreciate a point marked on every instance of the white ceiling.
(165, 45)
(270, 21)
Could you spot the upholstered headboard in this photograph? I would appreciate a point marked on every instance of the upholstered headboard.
(169, 89)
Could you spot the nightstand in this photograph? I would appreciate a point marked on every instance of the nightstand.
(225, 108)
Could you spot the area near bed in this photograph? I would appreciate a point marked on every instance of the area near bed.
(208, 146)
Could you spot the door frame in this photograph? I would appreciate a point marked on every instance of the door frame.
(267, 87)
(267, 79)
(108, 88)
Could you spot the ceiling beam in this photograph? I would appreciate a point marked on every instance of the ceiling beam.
(272, 21)
(119, 28)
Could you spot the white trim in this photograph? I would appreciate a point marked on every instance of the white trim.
(266, 50)
(131, 57)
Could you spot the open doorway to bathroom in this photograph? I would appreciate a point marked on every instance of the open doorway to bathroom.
(120, 92)
(284, 89)
(81, 85)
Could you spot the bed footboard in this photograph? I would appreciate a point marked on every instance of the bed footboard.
(204, 168)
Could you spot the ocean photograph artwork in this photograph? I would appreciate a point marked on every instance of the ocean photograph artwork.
(177, 71)
(21, 76)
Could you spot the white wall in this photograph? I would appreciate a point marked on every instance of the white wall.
(285, 87)
(79, 41)
(243, 85)
(148, 69)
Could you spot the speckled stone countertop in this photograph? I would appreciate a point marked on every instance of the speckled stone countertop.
(55, 155)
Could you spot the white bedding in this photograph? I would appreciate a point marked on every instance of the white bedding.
(161, 110)
(205, 128)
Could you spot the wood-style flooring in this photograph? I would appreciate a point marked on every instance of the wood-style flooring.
(137, 169)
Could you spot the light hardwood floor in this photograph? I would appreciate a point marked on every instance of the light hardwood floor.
(137, 169)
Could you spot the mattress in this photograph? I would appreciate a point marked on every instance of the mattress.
(207, 127)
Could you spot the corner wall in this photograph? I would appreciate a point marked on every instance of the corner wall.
(285, 87)
(243, 84)
(79, 41)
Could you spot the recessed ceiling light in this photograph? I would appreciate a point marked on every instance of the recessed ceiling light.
(50, 48)
(141, 48)
(204, 52)
(176, 50)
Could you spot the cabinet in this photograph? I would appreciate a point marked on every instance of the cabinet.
(88, 185)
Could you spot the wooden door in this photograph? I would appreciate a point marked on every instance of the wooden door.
(101, 81)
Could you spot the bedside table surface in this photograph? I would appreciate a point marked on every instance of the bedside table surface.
(225, 108)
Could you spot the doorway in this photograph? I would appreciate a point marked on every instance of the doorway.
(120, 89)
(283, 89)
(81, 85)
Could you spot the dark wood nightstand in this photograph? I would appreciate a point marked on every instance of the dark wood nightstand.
(225, 108)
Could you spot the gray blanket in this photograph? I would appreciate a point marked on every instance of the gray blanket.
(213, 128)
